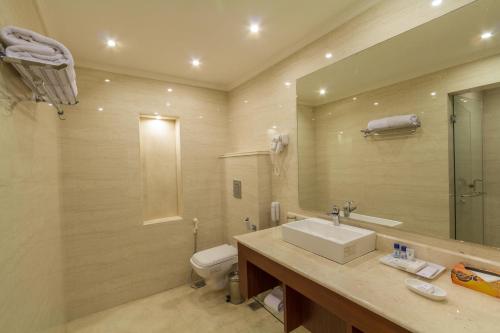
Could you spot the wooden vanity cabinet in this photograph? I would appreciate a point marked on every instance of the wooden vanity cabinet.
(307, 303)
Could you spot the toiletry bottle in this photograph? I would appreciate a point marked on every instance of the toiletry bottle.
(396, 253)
(403, 252)
(410, 254)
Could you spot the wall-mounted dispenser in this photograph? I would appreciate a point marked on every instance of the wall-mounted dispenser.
(275, 212)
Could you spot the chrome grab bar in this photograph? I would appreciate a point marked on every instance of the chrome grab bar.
(472, 194)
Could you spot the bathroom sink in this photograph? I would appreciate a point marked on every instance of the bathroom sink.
(341, 243)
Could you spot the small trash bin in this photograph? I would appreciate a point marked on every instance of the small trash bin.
(234, 288)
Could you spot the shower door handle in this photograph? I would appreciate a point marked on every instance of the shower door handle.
(473, 186)
(471, 195)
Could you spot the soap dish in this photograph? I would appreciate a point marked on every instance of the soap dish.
(426, 289)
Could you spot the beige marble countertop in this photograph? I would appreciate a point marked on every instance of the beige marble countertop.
(381, 289)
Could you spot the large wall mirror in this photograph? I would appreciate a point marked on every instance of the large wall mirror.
(436, 169)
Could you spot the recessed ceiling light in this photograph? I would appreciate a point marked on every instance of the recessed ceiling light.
(245, 101)
(275, 127)
(170, 89)
(50, 104)
(254, 28)
(436, 3)
(328, 55)
(354, 98)
(111, 43)
(201, 117)
(107, 80)
(195, 62)
(322, 91)
(433, 93)
(100, 109)
(168, 104)
(288, 83)
(486, 35)
(156, 113)
(376, 103)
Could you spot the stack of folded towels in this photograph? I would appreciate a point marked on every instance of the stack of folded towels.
(24, 44)
(395, 122)
(274, 299)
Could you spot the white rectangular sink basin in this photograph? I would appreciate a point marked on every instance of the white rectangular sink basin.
(341, 243)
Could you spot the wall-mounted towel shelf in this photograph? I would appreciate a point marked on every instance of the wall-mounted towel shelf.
(46, 81)
(393, 125)
(391, 131)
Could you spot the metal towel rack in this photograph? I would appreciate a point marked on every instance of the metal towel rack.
(37, 77)
(411, 129)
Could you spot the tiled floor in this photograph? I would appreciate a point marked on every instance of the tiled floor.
(179, 310)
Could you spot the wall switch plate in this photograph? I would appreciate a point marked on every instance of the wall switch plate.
(237, 188)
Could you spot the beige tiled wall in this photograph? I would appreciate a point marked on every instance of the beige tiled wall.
(270, 102)
(31, 279)
(307, 157)
(254, 172)
(110, 256)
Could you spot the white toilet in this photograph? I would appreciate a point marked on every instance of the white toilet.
(214, 264)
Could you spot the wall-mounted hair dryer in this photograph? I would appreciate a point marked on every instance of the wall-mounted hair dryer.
(278, 144)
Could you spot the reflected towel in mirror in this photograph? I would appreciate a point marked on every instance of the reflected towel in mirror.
(395, 122)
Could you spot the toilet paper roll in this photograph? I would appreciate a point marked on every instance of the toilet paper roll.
(273, 302)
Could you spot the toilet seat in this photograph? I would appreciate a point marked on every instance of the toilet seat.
(215, 255)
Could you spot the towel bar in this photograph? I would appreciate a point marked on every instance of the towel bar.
(392, 131)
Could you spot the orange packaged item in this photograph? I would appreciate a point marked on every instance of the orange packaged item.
(480, 280)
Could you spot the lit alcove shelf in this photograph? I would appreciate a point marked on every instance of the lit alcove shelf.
(160, 169)
(163, 220)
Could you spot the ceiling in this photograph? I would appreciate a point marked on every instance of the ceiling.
(158, 38)
(447, 41)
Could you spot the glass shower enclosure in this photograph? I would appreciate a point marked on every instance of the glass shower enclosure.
(477, 166)
(468, 144)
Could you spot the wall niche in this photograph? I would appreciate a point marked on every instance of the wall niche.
(160, 169)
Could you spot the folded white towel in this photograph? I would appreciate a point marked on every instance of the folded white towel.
(28, 45)
(394, 122)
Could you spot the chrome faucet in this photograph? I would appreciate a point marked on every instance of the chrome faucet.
(348, 208)
(335, 213)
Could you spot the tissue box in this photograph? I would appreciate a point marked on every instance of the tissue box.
(469, 279)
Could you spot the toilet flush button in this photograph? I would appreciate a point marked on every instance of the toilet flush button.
(237, 188)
